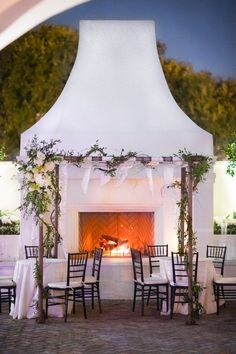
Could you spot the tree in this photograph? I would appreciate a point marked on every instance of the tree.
(210, 102)
(35, 68)
(230, 151)
(33, 72)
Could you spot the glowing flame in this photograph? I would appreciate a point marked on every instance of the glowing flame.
(120, 251)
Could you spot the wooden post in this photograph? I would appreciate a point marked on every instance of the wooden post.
(191, 319)
(56, 206)
(182, 222)
(40, 318)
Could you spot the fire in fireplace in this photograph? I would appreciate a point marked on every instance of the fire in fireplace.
(113, 246)
(116, 232)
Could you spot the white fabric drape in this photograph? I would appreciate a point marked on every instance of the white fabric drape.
(86, 178)
(122, 172)
(148, 171)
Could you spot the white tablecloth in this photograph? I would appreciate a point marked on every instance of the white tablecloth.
(205, 276)
(26, 290)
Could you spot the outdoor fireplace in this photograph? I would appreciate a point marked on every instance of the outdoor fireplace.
(116, 232)
(117, 95)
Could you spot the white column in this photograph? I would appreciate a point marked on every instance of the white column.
(70, 210)
(63, 185)
(203, 214)
(167, 215)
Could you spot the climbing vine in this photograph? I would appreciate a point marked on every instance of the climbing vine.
(200, 167)
(196, 167)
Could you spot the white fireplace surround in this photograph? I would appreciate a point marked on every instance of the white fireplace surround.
(133, 195)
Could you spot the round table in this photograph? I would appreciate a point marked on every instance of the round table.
(205, 275)
(26, 290)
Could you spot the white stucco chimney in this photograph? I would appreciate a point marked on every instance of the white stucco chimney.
(117, 94)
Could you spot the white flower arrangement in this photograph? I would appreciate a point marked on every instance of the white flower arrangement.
(9, 223)
(38, 182)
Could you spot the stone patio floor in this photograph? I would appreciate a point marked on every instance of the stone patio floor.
(119, 330)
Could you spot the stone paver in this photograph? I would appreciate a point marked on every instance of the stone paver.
(120, 331)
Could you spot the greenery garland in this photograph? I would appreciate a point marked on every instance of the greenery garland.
(115, 162)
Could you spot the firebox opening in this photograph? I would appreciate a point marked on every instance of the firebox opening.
(116, 232)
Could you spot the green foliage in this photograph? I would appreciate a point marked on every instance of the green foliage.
(210, 102)
(48, 240)
(113, 164)
(161, 48)
(231, 228)
(38, 177)
(2, 153)
(183, 215)
(110, 165)
(230, 151)
(198, 167)
(39, 183)
(197, 306)
(37, 275)
(33, 72)
(217, 228)
(10, 229)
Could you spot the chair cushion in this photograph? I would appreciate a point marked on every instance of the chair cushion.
(217, 276)
(63, 285)
(155, 275)
(225, 280)
(4, 277)
(180, 282)
(90, 279)
(6, 283)
(155, 280)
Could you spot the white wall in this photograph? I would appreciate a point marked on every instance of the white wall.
(9, 187)
(224, 191)
(203, 214)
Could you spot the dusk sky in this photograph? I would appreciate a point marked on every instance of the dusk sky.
(201, 32)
